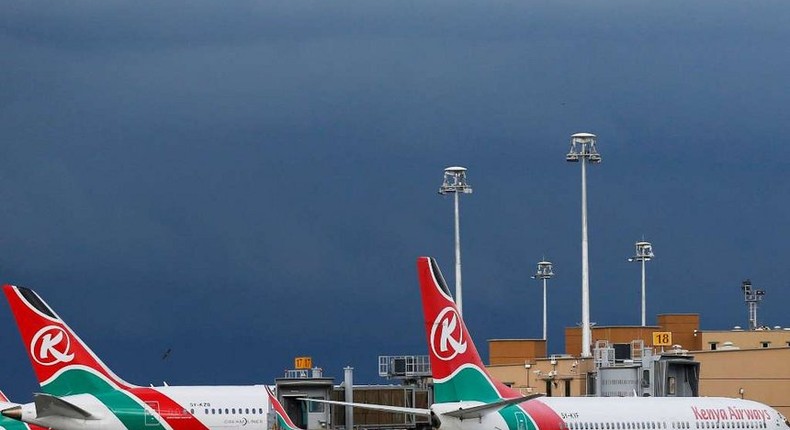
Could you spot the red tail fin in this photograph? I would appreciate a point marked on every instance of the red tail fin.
(54, 349)
(458, 371)
(3, 397)
(448, 339)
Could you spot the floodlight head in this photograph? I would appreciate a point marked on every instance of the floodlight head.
(644, 252)
(544, 270)
(583, 147)
(583, 137)
(455, 181)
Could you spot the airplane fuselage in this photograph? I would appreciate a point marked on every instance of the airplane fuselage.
(626, 413)
(163, 408)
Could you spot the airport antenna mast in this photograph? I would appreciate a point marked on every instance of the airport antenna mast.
(583, 149)
(752, 297)
(455, 183)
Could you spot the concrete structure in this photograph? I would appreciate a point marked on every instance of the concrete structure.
(557, 375)
(754, 364)
(761, 374)
(682, 326)
(712, 340)
(515, 351)
(608, 373)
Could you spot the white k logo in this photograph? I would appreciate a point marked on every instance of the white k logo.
(451, 340)
(448, 327)
(50, 346)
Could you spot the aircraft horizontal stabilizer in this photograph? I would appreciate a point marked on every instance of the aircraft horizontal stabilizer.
(385, 408)
(479, 411)
(49, 406)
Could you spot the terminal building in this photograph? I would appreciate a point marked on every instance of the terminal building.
(751, 364)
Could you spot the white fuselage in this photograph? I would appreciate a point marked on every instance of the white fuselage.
(623, 413)
(176, 408)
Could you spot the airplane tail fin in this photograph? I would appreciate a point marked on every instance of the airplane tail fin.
(62, 362)
(283, 419)
(458, 371)
(3, 397)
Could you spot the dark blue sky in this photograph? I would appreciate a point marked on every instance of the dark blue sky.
(246, 182)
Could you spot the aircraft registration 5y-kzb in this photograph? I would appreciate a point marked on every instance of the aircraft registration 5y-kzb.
(466, 397)
(79, 392)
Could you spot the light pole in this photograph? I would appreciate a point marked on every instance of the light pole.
(644, 253)
(752, 297)
(455, 183)
(544, 273)
(583, 148)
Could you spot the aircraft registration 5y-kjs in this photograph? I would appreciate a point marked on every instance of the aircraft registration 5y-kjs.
(466, 397)
(79, 392)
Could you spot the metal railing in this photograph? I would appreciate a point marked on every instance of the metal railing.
(404, 366)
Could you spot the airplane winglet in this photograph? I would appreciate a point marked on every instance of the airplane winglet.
(48, 405)
(3, 397)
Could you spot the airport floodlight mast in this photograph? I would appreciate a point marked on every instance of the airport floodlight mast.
(455, 183)
(644, 252)
(583, 149)
(544, 273)
(752, 296)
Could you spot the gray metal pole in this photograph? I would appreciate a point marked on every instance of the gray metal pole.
(585, 268)
(348, 382)
(458, 293)
(544, 308)
(644, 300)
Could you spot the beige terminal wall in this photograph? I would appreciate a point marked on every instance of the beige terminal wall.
(763, 373)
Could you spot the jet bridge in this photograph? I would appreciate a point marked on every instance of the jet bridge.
(624, 370)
